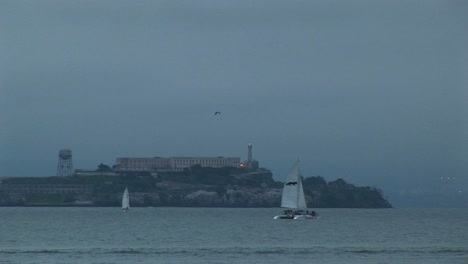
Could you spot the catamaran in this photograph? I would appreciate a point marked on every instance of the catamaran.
(125, 201)
(293, 197)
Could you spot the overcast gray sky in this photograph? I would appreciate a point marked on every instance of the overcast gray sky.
(374, 92)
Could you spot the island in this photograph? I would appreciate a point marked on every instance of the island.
(194, 187)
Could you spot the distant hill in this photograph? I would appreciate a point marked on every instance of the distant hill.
(194, 187)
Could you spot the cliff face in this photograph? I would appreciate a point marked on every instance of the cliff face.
(198, 187)
(207, 198)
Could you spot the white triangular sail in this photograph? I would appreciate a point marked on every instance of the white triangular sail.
(125, 200)
(293, 193)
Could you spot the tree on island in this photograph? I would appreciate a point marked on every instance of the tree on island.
(103, 168)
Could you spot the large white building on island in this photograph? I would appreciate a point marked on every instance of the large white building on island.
(173, 163)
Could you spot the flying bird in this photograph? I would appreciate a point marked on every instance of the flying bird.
(217, 113)
(291, 183)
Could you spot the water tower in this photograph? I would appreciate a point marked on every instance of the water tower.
(65, 164)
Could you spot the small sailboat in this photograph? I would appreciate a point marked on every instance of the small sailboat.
(293, 197)
(125, 201)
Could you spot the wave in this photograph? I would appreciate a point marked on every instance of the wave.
(419, 250)
(246, 250)
(34, 251)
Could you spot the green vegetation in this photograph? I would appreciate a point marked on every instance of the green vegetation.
(220, 176)
(340, 194)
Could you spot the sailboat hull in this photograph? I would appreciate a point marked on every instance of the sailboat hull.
(296, 216)
(284, 217)
(305, 217)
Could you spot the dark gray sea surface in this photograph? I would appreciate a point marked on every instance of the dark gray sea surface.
(231, 235)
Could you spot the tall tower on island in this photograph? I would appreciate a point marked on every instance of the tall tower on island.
(65, 164)
(249, 156)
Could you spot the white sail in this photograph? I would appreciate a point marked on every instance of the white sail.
(125, 200)
(293, 193)
(301, 202)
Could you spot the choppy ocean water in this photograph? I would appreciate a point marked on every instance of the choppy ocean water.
(225, 235)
